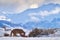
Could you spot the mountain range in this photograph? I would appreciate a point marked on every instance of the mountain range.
(43, 24)
(32, 24)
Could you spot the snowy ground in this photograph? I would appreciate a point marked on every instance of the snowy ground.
(20, 38)
(2, 32)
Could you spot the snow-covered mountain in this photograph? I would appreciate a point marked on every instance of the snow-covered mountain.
(5, 23)
(24, 16)
(42, 23)
(29, 25)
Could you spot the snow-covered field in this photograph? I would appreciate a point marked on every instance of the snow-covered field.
(35, 38)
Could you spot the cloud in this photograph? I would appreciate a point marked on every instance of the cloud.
(55, 1)
(34, 6)
(13, 6)
(4, 18)
(52, 1)
(36, 2)
(17, 6)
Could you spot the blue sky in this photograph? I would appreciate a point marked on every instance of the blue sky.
(22, 11)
